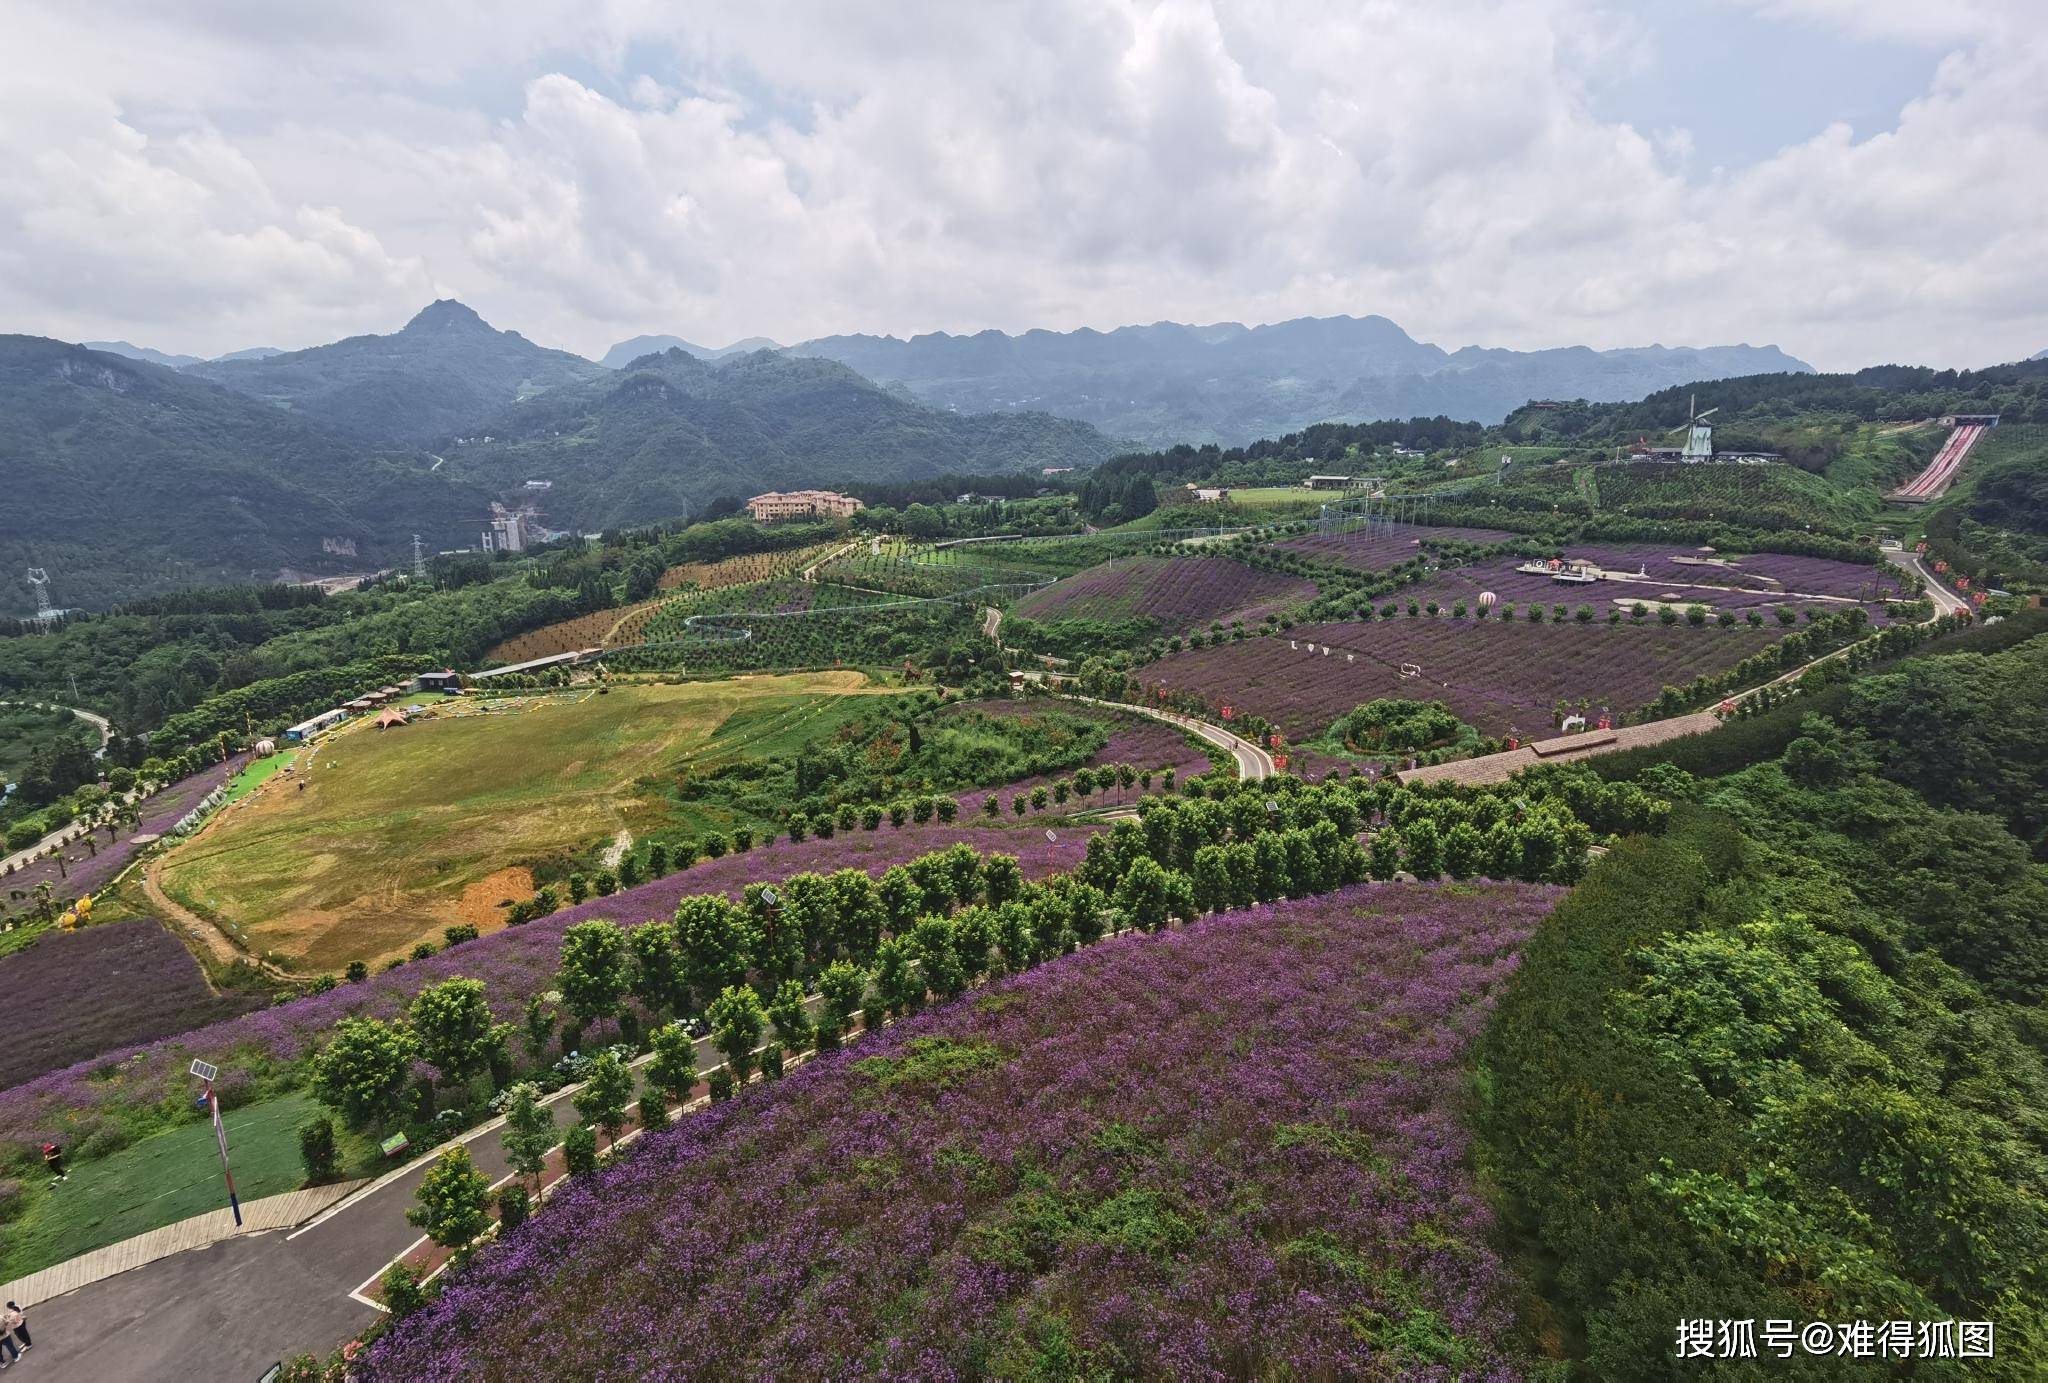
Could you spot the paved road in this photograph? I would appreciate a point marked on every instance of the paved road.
(1252, 762)
(233, 1310)
(1946, 602)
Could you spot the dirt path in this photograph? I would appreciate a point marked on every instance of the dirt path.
(200, 934)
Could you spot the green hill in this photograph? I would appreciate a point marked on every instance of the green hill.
(445, 372)
(671, 431)
(125, 478)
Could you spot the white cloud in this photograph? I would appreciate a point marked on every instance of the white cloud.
(225, 174)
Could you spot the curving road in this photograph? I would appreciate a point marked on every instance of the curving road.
(1946, 601)
(1253, 762)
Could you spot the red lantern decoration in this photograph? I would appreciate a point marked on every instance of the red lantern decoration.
(1272, 741)
(1226, 712)
(1280, 762)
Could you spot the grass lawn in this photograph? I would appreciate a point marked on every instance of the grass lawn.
(396, 834)
(258, 771)
(1276, 496)
(161, 1180)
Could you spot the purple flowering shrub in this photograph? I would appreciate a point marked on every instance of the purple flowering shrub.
(1235, 1149)
(514, 963)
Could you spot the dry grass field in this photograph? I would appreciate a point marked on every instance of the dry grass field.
(400, 833)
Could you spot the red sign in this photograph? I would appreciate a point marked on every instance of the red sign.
(1514, 743)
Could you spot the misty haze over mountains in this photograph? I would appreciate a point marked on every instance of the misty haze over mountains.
(1229, 383)
(1148, 385)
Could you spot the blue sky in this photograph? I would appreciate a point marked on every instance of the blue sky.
(1848, 179)
(1746, 85)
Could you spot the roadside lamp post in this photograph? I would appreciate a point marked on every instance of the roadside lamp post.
(208, 1073)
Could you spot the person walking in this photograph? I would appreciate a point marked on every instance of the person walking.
(15, 1324)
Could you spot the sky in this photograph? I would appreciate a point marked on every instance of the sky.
(1856, 181)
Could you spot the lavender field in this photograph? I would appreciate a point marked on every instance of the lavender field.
(1501, 676)
(1233, 1150)
(1739, 587)
(515, 963)
(1380, 549)
(1176, 593)
(70, 996)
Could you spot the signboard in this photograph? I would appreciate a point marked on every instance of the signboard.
(205, 1070)
(395, 1144)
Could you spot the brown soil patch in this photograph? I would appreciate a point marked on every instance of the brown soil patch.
(479, 902)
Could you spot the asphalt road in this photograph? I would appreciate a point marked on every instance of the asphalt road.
(1946, 602)
(233, 1310)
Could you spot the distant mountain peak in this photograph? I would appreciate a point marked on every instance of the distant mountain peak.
(446, 315)
(637, 348)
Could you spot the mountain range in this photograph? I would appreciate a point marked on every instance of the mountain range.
(126, 477)
(446, 370)
(1229, 383)
(631, 349)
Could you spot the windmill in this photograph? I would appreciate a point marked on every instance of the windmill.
(1699, 436)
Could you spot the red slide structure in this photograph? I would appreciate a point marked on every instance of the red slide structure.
(1930, 483)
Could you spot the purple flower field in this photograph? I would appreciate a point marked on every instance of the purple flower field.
(70, 996)
(1235, 1150)
(1501, 676)
(1177, 593)
(515, 963)
(1709, 586)
(1381, 549)
(85, 872)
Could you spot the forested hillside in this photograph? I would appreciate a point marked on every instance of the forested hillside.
(672, 431)
(125, 478)
(1786, 1062)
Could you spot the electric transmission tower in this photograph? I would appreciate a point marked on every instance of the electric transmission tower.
(39, 581)
(419, 557)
